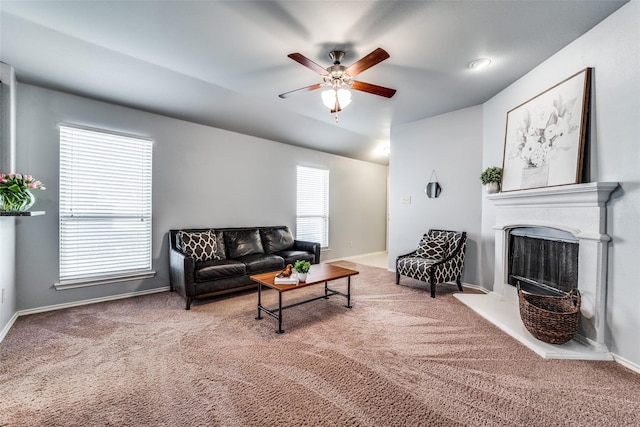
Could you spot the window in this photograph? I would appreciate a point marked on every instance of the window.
(105, 207)
(312, 217)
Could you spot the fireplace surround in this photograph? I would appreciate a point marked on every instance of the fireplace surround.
(579, 210)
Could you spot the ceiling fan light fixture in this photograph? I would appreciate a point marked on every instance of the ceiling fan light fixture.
(329, 98)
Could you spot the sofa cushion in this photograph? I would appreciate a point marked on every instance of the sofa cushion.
(201, 245)
(261, 263)
(415, 267)
(218, 269)
(276, 239)
(221, 252)
(243, 242)
(432, 246)
(291, 256)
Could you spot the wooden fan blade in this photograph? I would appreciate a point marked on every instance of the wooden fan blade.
(374, 89)
(300, 58)
(303, 89)
(367, 62)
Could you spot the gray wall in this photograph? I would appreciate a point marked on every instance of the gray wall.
(202, 177)
(451, 145)
(612, 48)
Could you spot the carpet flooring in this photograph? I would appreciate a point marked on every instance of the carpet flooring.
(397, 358)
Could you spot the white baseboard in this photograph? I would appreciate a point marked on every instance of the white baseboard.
(8, 326)
(626, 363)
(91, 301)
(355, 256)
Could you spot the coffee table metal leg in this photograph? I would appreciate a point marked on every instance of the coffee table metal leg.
(259, 301)
(326, 290)
(280, 331)
(349, 292)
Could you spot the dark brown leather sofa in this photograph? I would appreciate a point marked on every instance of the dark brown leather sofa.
(210, 261)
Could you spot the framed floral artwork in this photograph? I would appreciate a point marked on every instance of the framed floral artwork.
(544, 138)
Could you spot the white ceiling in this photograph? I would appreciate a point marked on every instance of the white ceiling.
(223, 63)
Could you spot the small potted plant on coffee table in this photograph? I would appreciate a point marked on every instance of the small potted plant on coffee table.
(302, 268)
(491, 178)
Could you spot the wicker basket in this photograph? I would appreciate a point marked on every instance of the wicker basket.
(549, 318)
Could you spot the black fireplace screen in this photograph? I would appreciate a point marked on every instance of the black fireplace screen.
(543, 265)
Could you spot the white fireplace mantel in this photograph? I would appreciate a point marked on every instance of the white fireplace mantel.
(579, 209)
(589, 194)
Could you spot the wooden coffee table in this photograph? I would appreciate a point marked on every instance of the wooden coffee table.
(319, 273)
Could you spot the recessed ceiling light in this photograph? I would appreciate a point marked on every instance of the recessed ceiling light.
(479, 64)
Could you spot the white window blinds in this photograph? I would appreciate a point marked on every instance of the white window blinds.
(105, 206)
(312, 213)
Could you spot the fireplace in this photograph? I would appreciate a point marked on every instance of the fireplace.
(575, 214)
(543, 260)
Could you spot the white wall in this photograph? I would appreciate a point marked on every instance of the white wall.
(7, 224)
(612, 48)
(461, 144)
(202, 177)
(451, 145)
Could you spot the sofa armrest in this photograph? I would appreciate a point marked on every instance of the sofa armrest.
(182, 272)
(312, 247)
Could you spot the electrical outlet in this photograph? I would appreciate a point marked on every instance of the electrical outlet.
(2, 297)
(350, 243)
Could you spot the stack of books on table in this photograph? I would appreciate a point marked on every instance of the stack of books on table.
(291, 280)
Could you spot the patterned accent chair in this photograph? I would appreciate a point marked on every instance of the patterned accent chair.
(438, 259)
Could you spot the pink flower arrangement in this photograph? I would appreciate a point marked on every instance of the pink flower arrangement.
(16, 181)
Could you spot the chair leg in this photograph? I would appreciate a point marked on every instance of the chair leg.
(432, 282)
(459, 285)
(189, 299)
(397, 278)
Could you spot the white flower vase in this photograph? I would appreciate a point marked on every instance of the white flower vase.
(302, 277)
(20, 201)
(535, 177)
(492, 187)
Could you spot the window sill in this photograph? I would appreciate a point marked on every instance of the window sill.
(82, 283)
(22, 213)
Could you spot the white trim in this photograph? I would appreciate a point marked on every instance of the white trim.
(354, 256)
(626, 363)
(91, 301)
(82, 283)
(8, 326)
(476, 287)
(111, 132)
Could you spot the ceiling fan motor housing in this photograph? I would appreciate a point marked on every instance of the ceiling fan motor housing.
(337, 76)
(336, 56)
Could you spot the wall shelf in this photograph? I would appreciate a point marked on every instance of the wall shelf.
(25, 213)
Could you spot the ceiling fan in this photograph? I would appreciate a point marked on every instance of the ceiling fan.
(337, 78)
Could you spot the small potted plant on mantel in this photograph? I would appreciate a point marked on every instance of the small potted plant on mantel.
(302, 268)
(491, 179)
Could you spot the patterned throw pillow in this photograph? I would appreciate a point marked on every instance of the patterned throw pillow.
(432, 247)
(201, 245)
